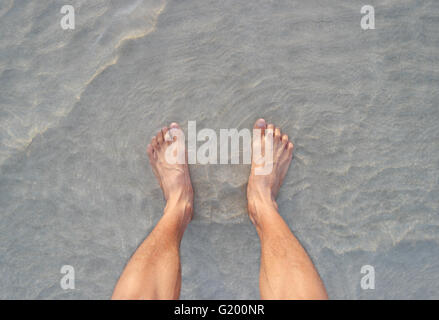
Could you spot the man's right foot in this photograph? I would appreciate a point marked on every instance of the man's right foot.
(262, 189)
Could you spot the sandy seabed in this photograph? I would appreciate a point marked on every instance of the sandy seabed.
(78, 107)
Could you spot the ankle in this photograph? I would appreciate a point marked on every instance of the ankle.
(180, 199)
(261, 208)
(181, 206)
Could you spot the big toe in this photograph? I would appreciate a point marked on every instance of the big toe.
(260, 124)
(258, 139)
(175, 132)
(259, 130)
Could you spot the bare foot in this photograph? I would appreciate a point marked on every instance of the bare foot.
(174, 179)
(262, 189)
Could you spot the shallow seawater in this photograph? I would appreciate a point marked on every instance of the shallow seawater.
(78, 107)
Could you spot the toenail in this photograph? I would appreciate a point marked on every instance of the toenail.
(261, 123)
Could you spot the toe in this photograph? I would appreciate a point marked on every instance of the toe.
(260, 124)
(154, 142)
(277, 134)
(290, 148)
(258, 142)
(164, 132)
(175, 131)
(160, 137)
(270, 131)
(268, 140)
(284, 139)
(149, 150)
(167, 135)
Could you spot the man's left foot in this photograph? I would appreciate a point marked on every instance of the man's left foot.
(174, 179)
